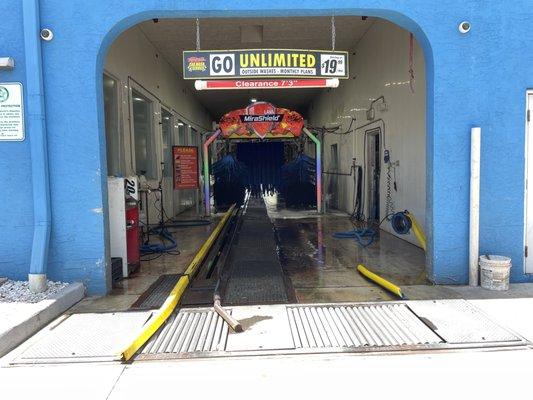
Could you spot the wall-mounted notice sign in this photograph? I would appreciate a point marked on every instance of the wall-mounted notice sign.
(11, 111)
(185, 160)
(265, 63)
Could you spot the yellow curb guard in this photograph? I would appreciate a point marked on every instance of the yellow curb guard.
(174, 297)
(419, 233)
(391, 287)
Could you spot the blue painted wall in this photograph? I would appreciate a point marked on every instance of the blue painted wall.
(474, 79)
(16, 206)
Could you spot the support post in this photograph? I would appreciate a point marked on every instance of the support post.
(475, 151)
(318, 169)
(207, 194)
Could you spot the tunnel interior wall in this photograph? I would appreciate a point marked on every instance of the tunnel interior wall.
(380, 65)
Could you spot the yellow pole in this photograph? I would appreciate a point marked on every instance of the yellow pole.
(161, 315)
(417, 230)
(391, 287)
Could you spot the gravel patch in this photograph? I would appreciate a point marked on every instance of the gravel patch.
(19, 292)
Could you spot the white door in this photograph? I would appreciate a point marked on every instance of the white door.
(529, 189)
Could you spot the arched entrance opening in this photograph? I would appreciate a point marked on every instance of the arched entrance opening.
(374, 129)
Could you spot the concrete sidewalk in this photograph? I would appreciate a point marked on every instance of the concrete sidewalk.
(480, 374)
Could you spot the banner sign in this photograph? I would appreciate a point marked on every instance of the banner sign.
(266, 84)
(265, 63)
(185, 161)
(11, 112)
(263, 120)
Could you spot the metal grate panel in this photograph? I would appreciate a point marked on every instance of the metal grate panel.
(357, 326)
(189, 331)
(457, 321)
(85, 338)
(256, 282)
(157, 293)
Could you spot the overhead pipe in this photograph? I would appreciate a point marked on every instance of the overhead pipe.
(36, 125)
(475, 161)
(207, 192)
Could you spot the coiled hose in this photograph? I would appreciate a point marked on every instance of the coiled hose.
(401, 223)
(162, 232)
(364, 237)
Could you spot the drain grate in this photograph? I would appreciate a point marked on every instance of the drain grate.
(358, 326)
(157, 293)
(189, 331)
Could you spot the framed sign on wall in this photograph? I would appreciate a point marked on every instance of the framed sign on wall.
(185, 167)
(11, 112)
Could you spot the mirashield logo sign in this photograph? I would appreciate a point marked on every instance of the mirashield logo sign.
(261, 117)
(11, 112)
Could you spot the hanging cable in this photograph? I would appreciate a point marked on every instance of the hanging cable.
(333, 33)
(411, 64)
(197, 34)
(389, 204)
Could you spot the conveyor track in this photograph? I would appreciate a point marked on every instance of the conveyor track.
(254, 273)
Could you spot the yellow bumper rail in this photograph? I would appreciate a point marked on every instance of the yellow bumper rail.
(391, 287)
(417, 230)
(161, 315)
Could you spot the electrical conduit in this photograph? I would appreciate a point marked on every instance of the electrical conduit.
(36, 125)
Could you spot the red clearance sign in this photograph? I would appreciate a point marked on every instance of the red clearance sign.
(185, 161)
(266, 84)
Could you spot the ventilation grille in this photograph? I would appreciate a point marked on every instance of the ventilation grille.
(189, 332)
(357, 326)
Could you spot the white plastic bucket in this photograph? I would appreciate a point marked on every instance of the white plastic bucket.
(494, 272)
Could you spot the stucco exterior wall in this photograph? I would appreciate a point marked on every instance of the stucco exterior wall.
(475, 79)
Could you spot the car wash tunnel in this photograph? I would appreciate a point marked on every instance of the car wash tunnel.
(264, 201)
(322, 153)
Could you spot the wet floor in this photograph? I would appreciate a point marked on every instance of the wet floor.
(121, 298)
(323, 268)
(320, 267)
